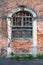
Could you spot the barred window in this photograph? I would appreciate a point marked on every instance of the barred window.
(22, 25)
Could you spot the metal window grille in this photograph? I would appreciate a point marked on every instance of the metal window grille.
(22, 26)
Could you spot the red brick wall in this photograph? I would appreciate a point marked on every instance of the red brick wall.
(6, 6)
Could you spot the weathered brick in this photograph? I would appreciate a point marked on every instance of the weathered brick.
(6, 6)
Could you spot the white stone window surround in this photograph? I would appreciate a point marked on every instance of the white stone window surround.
(11, 12)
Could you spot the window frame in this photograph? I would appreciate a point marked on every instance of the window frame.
(28, 28)
(9, 28)
(17, 9)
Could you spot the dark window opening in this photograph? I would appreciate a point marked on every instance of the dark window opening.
(22, 25)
